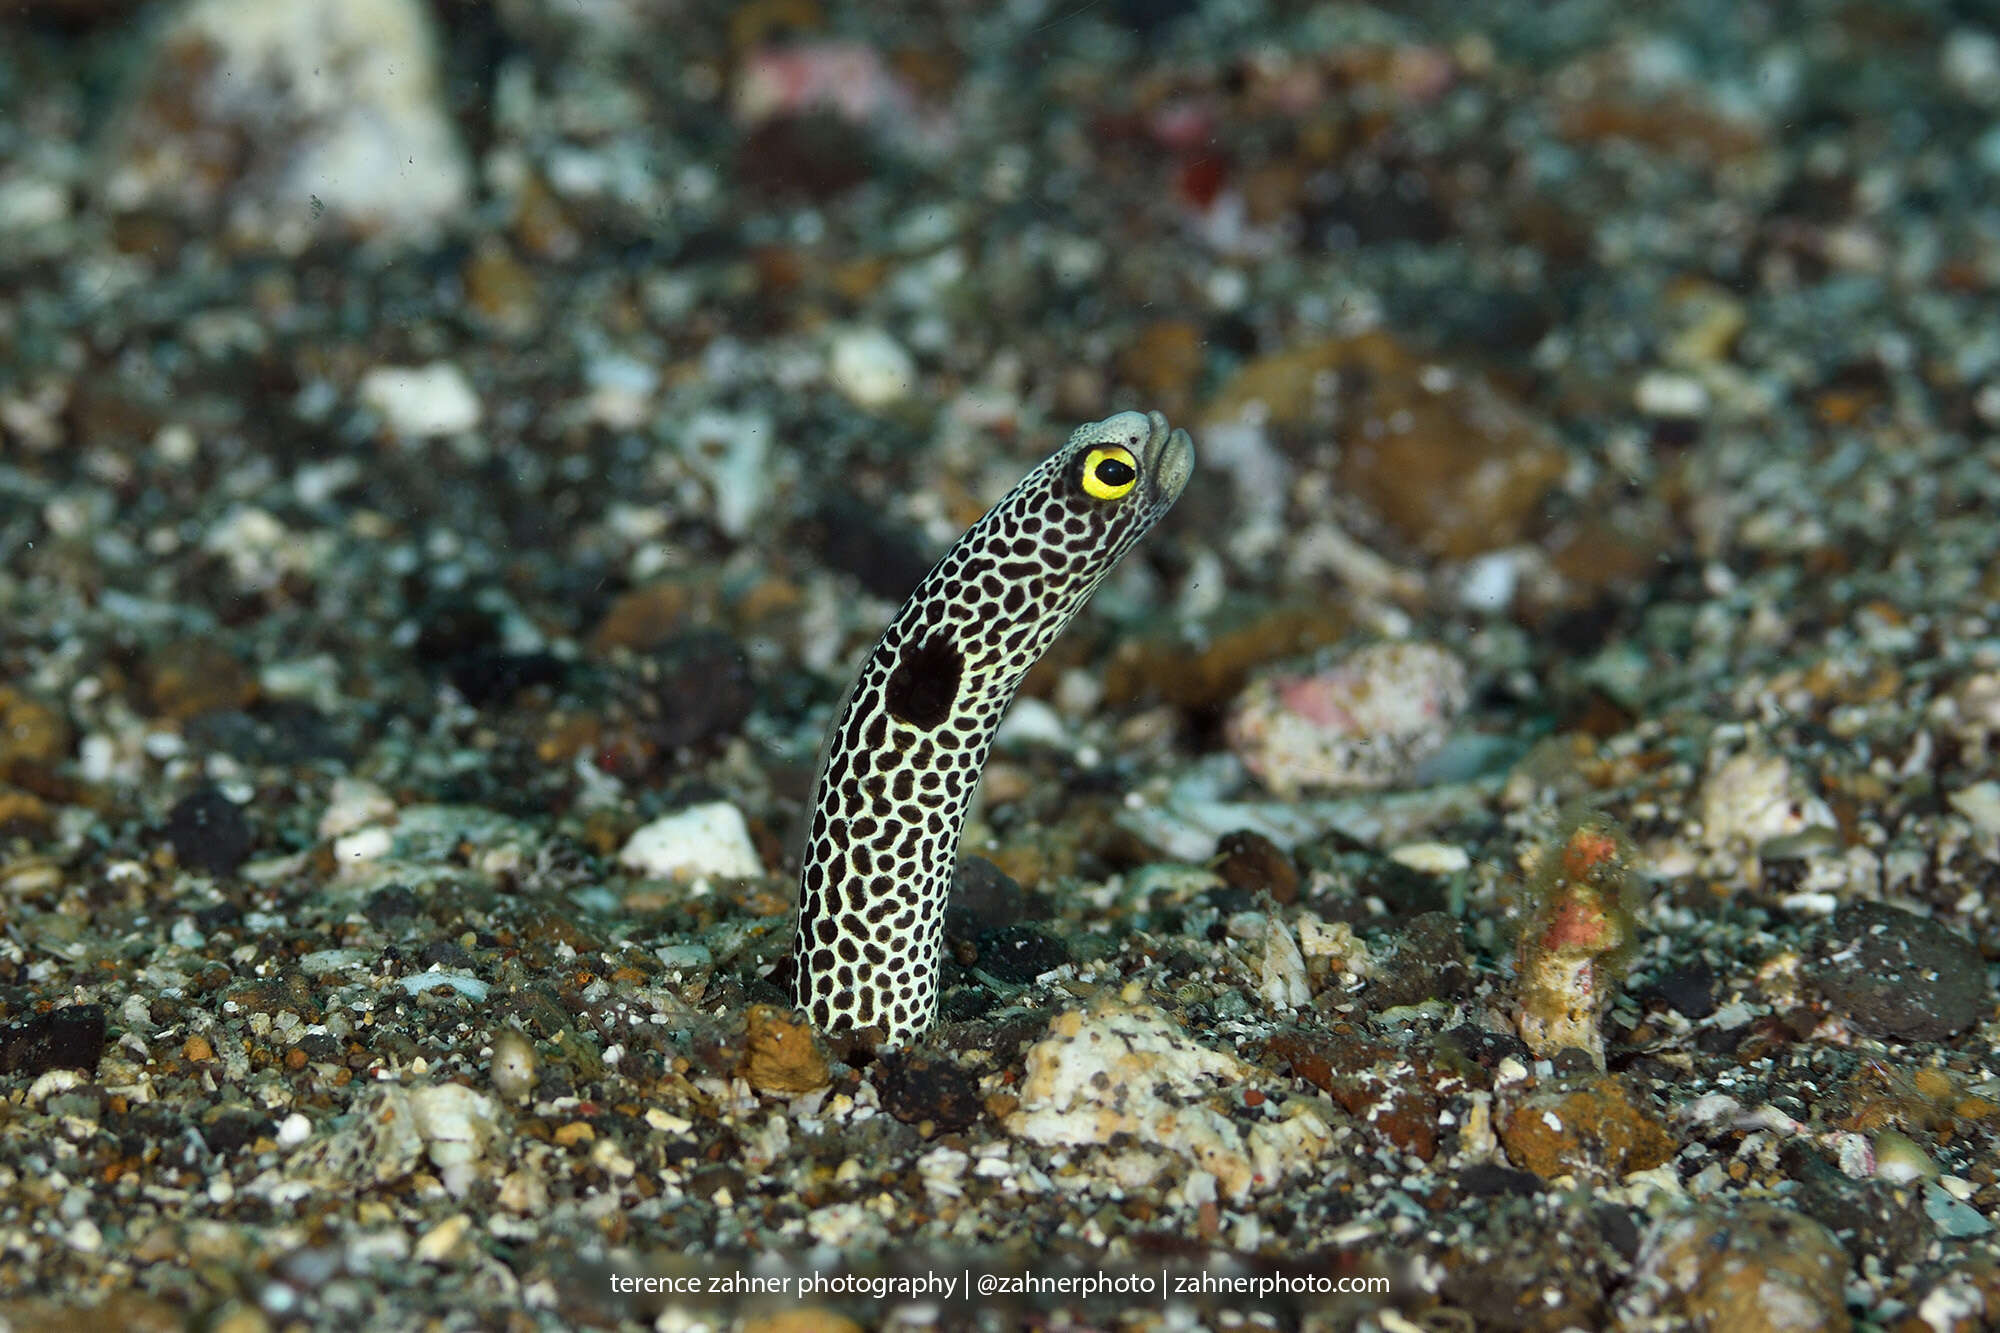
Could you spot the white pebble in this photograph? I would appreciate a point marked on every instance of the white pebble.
(1431, 858)
(418, 402)
(707, 839)
(871, 368)
(731, 451)
(1660, 394)
(353, 804)
(1980, 804)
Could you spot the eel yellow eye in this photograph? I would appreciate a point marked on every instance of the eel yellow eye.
(1109, 471)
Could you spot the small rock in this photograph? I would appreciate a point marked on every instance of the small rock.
(68, 1038)
(1593, 1129)
(1425, 960)
(871, 368)
(512, 1068)
(709, 839)
(1953, 1218)
(1162, 667)
(1758, 1268)
(489, 679)
(1248, 860)
(1365, 721)
(1755, 797)
(420, 402)
(1489, 1179)
(1661, 394)
(31, 731)
(270, 118)
(805, 1319)
(1454, 464)
(1898, 975)
(888, 558)
(457, 1125)
(1164, 363)
(1281, 975)
(731, 452)
(392, 902)
(1687, 990)
(701, 688)
(919, 1088)
(444, 1242)
(984, 898)
(1018, 954)
(1124, 1077)
(192, 677)
(209, 832)
(780, 1054)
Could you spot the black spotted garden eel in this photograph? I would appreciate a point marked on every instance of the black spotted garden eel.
(903, 756)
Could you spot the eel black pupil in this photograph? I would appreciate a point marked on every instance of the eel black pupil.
(924, 684)
(1114, 473)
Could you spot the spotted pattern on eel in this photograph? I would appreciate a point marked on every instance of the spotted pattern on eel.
(903, 756)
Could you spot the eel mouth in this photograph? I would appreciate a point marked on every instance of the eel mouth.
(1168, 458)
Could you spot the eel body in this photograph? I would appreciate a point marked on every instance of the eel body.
(904, 754)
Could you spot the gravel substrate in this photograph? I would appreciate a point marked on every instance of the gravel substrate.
(1511, 850)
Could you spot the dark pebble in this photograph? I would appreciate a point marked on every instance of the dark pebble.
(1483, 1048)
(1425, 960)
(391, 903)
(1688, 990)
(858, 539)
(984, 898)
(231, 1130)
(702, 689)
(813, 156)
(321, 1047)
(445, 953)
(68, 1038)
(915, 1087)
(1249, 860)
(1572, 1060)
(217, 916)
(1619, 1229)
(277, 732)
(1019, 954)
(1868, 1217)
(486, 679)
(1898, 975)
(209, 832)
(452, 631)
(1489, 1178)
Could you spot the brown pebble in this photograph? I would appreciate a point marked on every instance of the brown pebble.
(1594, 1129)
(780, 1054)
(32, 731)
(1162, 666)
(806, 1319)
(1758, 1267)
(575, 1132)
(645, 618)
(501, 289)
(1250, 861)
(195, 676)
(22, 813)
(1164, 363)
(197, 1049)
(1452, 463)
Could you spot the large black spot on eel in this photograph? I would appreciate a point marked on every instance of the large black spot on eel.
(903, 756)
